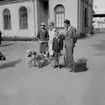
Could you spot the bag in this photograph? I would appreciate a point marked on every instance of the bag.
(42, 63)
(62, 59)
(80, 65)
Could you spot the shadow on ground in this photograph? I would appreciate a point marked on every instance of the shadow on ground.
(81, 65)
(95, 93)
(100, 54)
(87, 37)
(100, 46)
(6, 45)
(10, 64)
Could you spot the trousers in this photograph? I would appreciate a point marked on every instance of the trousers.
(50, 48)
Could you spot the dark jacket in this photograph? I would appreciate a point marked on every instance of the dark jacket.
(43, 36)
(58, 43)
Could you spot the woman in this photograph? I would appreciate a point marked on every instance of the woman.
(43, 37)
(52, 32)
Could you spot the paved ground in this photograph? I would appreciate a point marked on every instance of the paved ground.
(20, 85)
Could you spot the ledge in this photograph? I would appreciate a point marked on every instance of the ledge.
(12, 1)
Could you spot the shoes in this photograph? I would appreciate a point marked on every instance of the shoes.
(48, 55)
(60, 66)
(55, 66)
(71, 69)
(52, 55)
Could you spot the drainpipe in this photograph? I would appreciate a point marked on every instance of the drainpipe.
(35, 16)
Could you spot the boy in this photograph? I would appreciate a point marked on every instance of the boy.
(57, 48)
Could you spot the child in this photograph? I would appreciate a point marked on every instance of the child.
(57, 48)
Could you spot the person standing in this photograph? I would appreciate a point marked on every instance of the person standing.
(43, 38)
(52, 32)
(70, 40)
(57, 47)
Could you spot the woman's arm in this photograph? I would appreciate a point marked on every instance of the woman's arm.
(47, 36)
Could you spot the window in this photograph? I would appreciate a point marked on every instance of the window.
(7, 19)
(23, 18)
(59, 16)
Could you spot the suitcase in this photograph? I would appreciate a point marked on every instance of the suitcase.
(80, 65)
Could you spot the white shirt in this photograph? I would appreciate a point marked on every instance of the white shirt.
(68, 27)
(52, 34)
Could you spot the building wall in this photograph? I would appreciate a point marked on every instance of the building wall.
(82, 28)
(90, 14)
(70, 10)
(81, 17)
(14, 9)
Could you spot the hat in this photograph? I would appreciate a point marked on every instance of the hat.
(51, 23)
(43, 24)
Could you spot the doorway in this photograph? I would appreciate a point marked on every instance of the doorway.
(43, 12)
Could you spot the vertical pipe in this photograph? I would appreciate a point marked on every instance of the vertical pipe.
(78, 18)
(35, 16)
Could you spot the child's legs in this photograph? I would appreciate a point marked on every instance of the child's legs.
(50, 48)
(56, 58)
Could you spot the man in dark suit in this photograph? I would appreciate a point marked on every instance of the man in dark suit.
(57, 48)
(70, 40)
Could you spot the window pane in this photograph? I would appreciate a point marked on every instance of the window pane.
(60, 20)
(57, 18)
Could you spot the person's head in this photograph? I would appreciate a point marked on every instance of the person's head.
(67, 23)
(51, 25)
(42, 25)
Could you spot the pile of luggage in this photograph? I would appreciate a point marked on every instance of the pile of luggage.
(35, 59)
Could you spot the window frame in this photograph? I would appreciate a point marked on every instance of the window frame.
(62, 13)
(7, 19)
(23, 20)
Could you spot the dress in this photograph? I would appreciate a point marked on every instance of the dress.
(43, 36)
(51, 36)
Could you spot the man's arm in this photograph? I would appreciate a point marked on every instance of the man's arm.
(47, 36)
(74, 35)
(53, 44)
(74, 32)
(38, 35)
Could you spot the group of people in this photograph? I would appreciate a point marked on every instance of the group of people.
(53, 44)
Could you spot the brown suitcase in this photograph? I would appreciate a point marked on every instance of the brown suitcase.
(80, 65)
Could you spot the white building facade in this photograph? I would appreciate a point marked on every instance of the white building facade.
(22, 18)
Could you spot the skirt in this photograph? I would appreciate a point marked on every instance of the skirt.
(43, 47)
